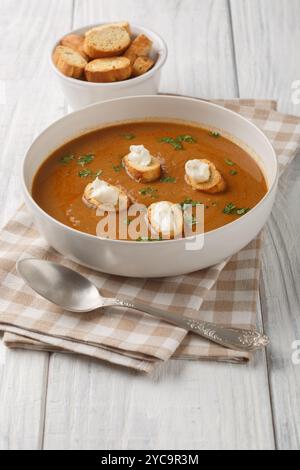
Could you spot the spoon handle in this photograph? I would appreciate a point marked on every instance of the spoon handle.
(232, 338)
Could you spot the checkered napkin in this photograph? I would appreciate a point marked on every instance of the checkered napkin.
(225, 293)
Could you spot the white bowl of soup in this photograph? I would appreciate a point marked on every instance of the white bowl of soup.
(80, 93)
(90, 144)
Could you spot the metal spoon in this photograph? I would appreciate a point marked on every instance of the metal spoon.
(75, 293)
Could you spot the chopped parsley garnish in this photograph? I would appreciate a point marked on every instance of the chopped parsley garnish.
(231, 209)
(242, 211)
(177, 141)
(188, 202)
(128, 136)
(168, 179)
(148, 192)
(66, 159)
(233, 172)
(88, 172)
(214, 134)
(118, 168)
(229, 162)
(85, 159)
(186, 138)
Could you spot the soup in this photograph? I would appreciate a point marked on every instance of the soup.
(62, 179)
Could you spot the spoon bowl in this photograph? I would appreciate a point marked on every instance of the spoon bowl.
(60, 285)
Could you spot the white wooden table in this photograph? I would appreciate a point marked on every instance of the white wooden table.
(218, 48)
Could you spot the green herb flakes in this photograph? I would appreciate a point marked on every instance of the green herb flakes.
(148, 192)
(177, 141)
(232, 209)
(118, 168)
(88, 172)
(188, 202)
(66, 159)
(215, 134)
(175, 144)
(128, 136)
(85, 159)
(168, 179)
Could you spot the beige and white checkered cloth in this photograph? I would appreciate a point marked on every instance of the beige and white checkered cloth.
(225, 293)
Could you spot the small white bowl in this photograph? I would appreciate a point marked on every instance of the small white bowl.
(160, 258)
(80, 93)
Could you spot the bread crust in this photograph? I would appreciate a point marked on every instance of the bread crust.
(75, 42)
(107, 70)
(69, 61)
(106, 41)
(179, 218)
(141, 65)
(143, 174)
(122, 24)
(140, 46)
(216, 183)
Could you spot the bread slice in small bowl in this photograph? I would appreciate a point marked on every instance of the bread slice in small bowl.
(113, 69)
(106, 41)
(69, 61)
(141, 65)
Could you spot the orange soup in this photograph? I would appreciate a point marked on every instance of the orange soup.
(61, 180)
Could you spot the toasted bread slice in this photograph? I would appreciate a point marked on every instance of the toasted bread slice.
(108, 41)
(173, 227)
(122, 24)
(108, 70)
(123, 200)
(141, 65)
(69, 62)
(143, 174)
(140, 46)
(75, 42)
(216, 183)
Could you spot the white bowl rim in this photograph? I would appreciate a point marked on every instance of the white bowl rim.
(155, 242)
(162, 57)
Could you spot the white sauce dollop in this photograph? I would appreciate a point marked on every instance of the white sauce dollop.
(197, 171)
(104, 192)
(139, 155)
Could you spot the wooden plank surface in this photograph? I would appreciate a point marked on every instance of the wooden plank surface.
(30, 101)
(266, 34)
(188, 405)
(83, 404)
(183, 405)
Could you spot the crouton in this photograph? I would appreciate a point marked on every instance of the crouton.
(215, 184)
(141, 65)
(166, 219)
(118, 198)
(108, 41)
(122, 24)
(143, 174)
(107, 70)
(69, 62)
(75, 42)
(140, 46)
